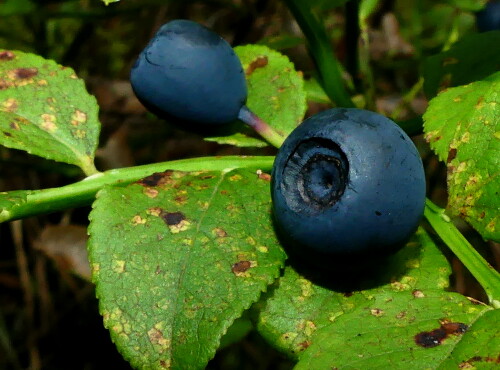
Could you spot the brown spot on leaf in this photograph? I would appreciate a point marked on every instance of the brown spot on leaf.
(155, 179)
(172, 218)
(303, 345)
(14, 126)
(241, 266)
(25, 73)
(7, 55)
(482, 215)
(470, 363)
(219, 232)
(418, 294)
(263, 176)
(430, 339)
(4, 85)
(451, 155)
(8, 134)
(207, 177)
(260, 62)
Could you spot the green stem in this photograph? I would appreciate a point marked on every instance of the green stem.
(484, 273)
(26, 203)
(322, 53)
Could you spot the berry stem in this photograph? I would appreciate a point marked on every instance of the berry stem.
(260, 126)
(484, 273)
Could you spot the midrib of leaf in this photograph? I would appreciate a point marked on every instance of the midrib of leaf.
(187, 259)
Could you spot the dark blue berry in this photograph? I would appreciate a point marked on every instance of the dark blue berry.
(190, 73)
(347, 185)
(488, 19)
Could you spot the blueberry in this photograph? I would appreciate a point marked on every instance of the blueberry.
(488, 19)
(347, 185)
(190, 73)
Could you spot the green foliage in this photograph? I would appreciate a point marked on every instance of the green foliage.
(462, 125)
(275, 93)
(184, 255)
(478, 347)
(296, 309)
(399, 330)
(187, 260)
(470, 59)
(46, 110)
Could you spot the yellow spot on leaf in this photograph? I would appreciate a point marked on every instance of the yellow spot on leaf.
(78, 117)
(151, 192)
(79, 134)
(235, 177)
(181, 226)
(118, 266)
(42, 83)
(418, 294)
(377, 312)
(138, 220)
(49, 122)
(263, 249)
(157, 339)
(154, 211)
(10, 105)
(219, 232)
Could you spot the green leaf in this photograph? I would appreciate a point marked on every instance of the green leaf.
(472, 58)
(479, 346)
(462, 125)
(469, 5)
(396, 330)
(275, 90)
(315, 92)
(46, 110)
(275, 93)
(177, 257)
(296, 308)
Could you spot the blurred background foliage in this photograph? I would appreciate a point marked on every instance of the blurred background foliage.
(48, 315)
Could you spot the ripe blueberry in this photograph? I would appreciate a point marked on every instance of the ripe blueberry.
(347, 185)
(488, 19)
(189, 72)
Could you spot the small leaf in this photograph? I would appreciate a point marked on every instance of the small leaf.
(275, 90)
(46, 110)
(396, 330)
(472, 58)
(296, 308)
(275, 93)
(479, 346)
(462, 126)
(177, 257)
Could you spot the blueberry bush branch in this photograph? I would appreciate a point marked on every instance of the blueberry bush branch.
(26, 203)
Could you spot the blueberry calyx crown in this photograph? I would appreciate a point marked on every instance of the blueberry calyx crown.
(315, 175)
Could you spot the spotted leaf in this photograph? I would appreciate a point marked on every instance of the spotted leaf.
(46, 110)
(177, 257)
(462, 125)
